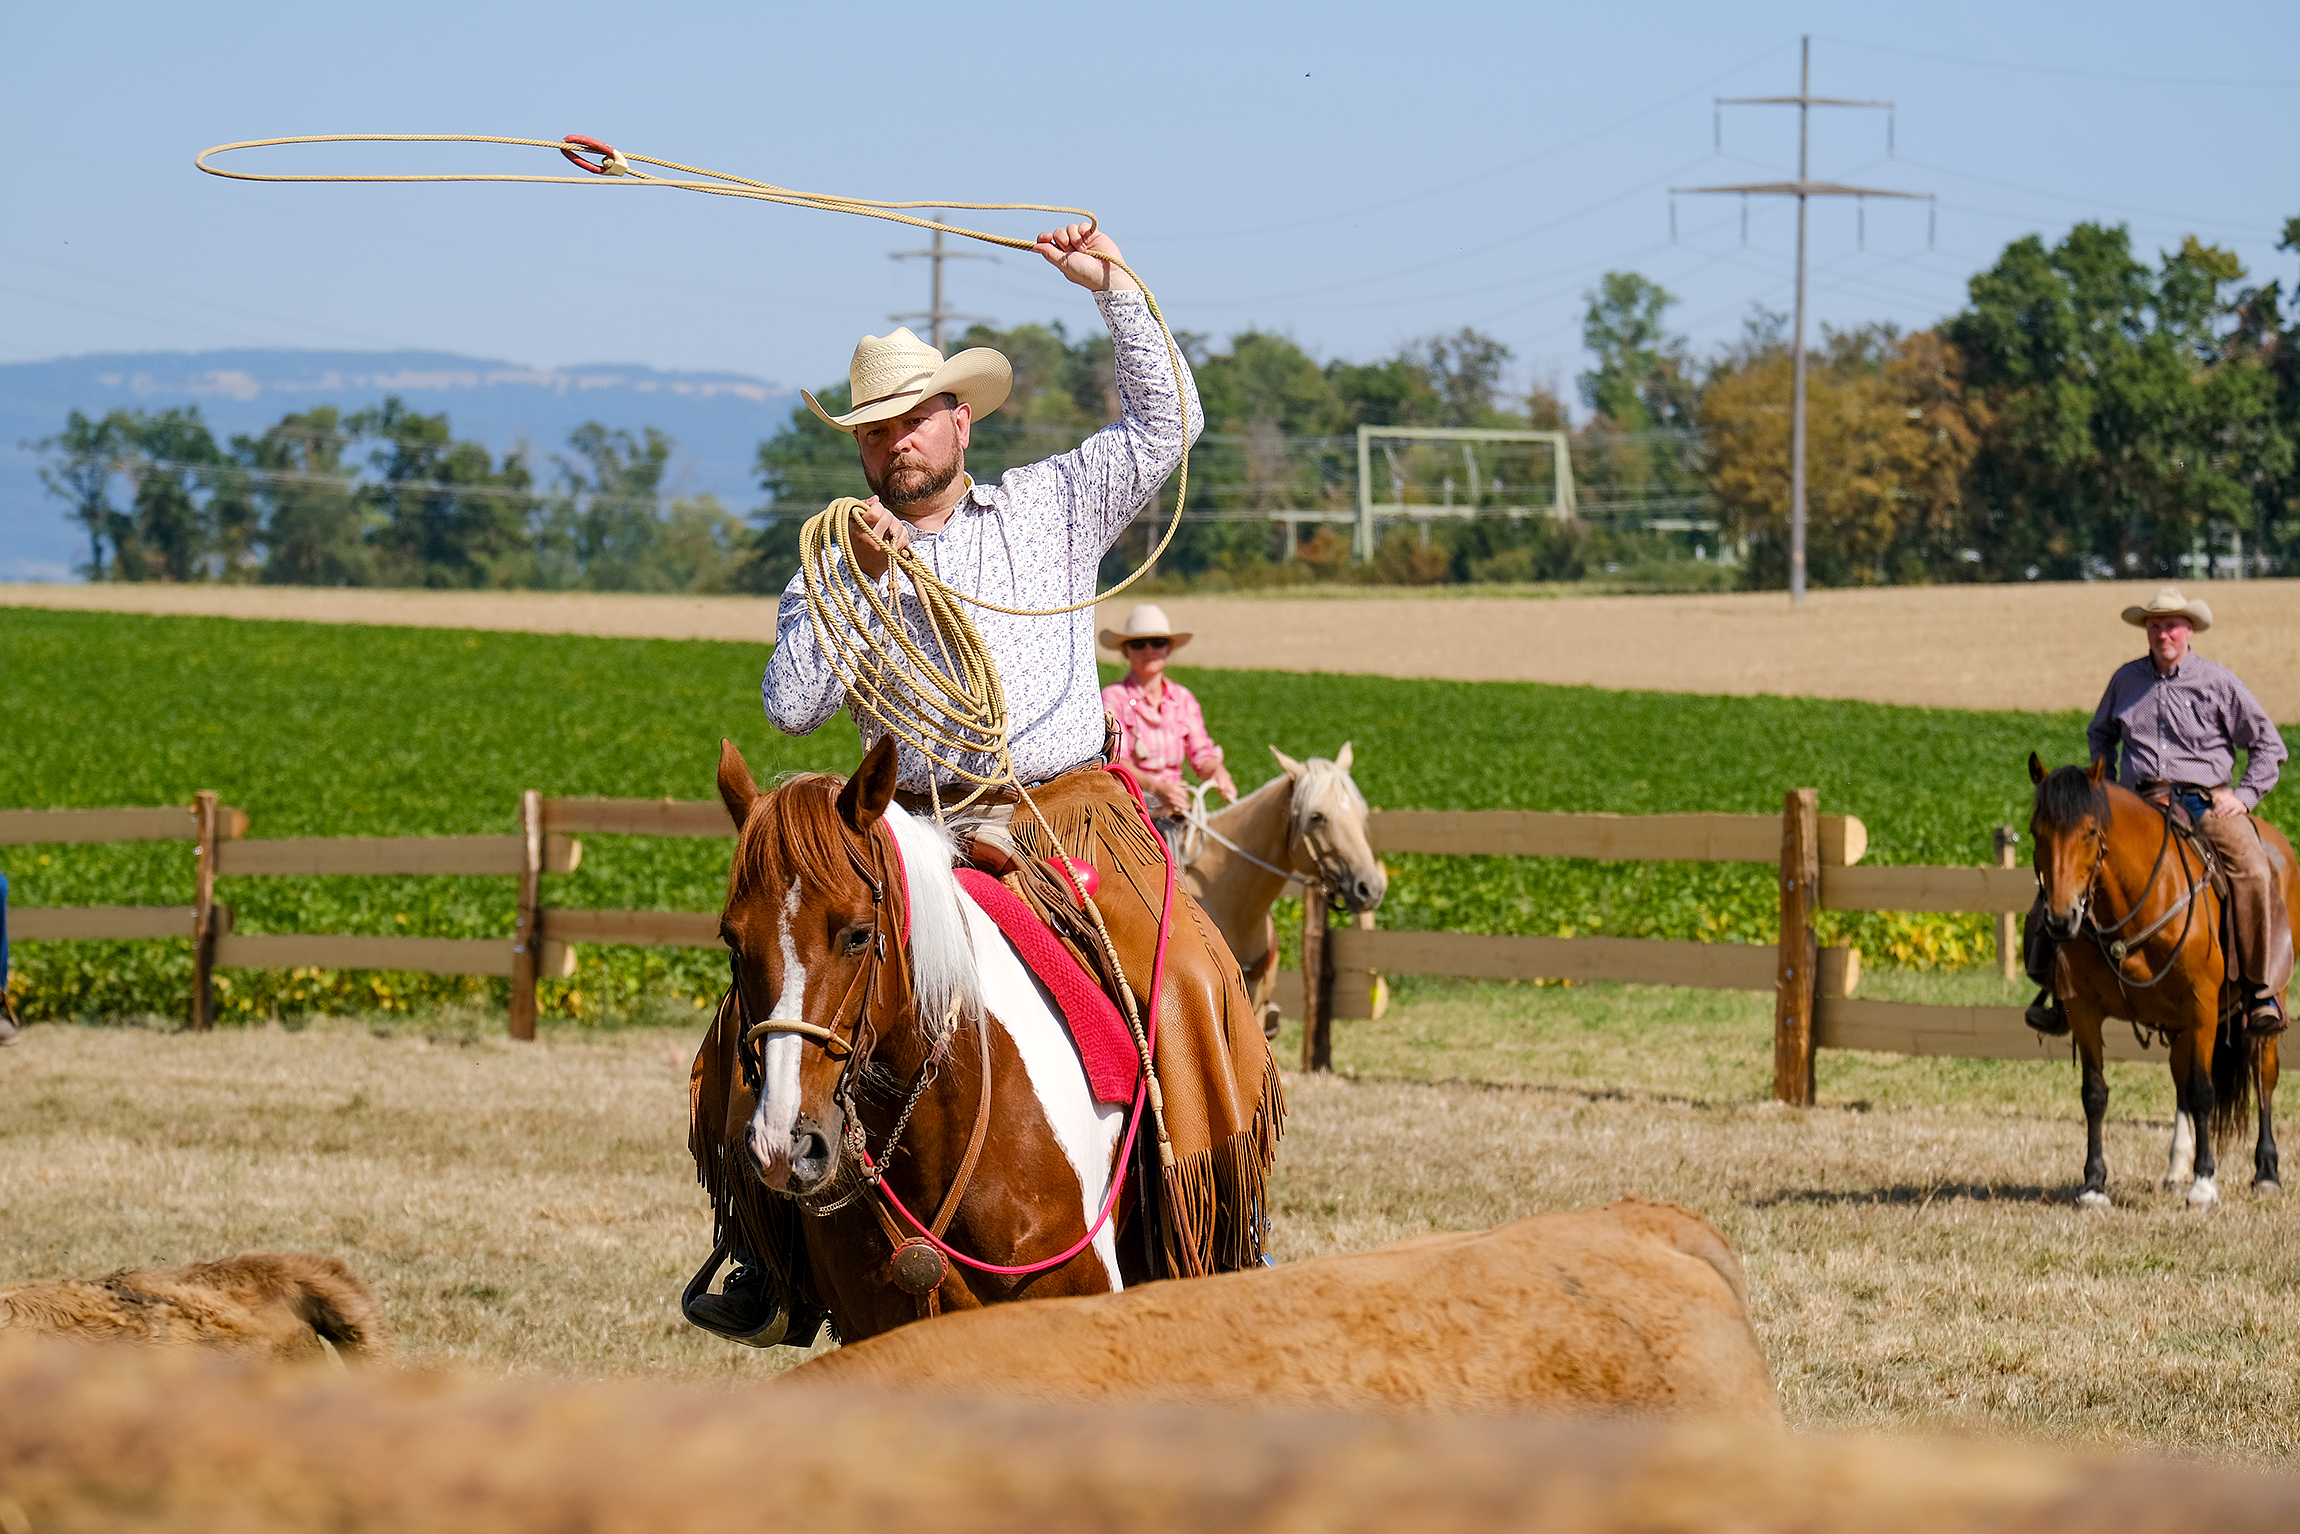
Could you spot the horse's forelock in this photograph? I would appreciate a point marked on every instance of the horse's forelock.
(1321, 779)
(2068, 797)
(793, 832)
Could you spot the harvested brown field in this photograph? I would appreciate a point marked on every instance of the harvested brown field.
(1914, 1257)
(2038, 646)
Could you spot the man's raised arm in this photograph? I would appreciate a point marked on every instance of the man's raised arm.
(1106, 481)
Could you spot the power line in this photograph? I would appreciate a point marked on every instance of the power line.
(2070, 74)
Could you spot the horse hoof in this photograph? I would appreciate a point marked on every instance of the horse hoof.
(2093, 1198)
(2174, 1184)
(2204, 1195)
(2268, 1185)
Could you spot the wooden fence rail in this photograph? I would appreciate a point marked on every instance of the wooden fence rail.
(1816, 1007)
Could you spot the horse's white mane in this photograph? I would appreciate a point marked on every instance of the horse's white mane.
(942, 967)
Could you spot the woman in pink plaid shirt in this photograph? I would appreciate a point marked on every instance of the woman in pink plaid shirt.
(1160, 726)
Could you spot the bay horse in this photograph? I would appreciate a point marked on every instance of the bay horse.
(2140, 927)
(880, 1025)
(1308, 824)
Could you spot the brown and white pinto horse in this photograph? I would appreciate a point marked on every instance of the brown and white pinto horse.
(869, 993)
(2140, 929)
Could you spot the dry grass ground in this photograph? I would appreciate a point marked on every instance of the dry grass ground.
(2040, 646)
(1914, 1256)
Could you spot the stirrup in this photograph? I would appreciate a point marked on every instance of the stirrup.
(694, 1304)
(2046, 1016)
(2264, 1017)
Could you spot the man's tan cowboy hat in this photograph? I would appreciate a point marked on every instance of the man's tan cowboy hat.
(1146, 621)
(2169, 603)
(891, 375)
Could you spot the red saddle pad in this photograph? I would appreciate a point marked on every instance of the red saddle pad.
(1105, 1044)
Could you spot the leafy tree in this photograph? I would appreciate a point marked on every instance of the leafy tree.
(1888, 441)
(313, 528)
(1643, 377)
(2124, 434)
(447, 514)
(83, 457)
(605, 530)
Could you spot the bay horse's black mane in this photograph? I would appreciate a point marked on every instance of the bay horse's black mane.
(2068, 797)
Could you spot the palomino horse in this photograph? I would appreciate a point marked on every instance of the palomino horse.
(871, 996)
(1310, 825)
(2140, 926)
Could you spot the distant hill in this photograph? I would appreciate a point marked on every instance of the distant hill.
(717, 419)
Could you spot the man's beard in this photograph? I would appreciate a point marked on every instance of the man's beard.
(909, 480)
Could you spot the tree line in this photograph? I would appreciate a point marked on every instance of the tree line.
(385, 496)
(2087, 413)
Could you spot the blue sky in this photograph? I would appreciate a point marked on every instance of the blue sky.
(1351, 175)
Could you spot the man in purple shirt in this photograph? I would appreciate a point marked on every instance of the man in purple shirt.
(2179, 719)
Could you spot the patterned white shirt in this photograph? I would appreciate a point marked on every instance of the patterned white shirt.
(1035, 539)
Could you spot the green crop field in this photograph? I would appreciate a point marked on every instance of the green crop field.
(322, 730)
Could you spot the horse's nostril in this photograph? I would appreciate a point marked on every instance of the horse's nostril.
(810, 1153)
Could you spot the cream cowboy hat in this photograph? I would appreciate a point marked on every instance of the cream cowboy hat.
(1146, 621)
(892, 374)
(2169, 603)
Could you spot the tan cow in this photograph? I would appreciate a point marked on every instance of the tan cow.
(121, 1439)
(276, 1304)
(1634, 1307)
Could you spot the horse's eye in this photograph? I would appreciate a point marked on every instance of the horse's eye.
(1318, 817)
(854, 941)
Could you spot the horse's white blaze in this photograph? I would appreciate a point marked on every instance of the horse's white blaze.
(2180, 1165)
(1087, 1131)
(777, 1113)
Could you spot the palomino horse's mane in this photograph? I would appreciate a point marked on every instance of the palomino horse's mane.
(796, 832)
(2068, 797)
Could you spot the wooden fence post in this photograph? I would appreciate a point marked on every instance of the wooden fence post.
(204, 829)
(2008, 922)
(1798, 973)
(527, 936)
(1317, 984)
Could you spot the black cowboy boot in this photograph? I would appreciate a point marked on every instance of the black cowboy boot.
(748, 1310)
(2263, 1014)
(2045, 1015)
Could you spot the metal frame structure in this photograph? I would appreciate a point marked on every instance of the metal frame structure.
(1802, 188)
(1561, 460)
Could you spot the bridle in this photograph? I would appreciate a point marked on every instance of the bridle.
(1199, 825)
(2115, 949)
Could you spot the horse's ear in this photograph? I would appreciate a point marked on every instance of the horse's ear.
(2097, 771)
(871, 789)
(735, 783)
(2035, 768)
(1293, 768)
(1342, 757)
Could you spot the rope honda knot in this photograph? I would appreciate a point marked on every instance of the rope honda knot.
(611, 161)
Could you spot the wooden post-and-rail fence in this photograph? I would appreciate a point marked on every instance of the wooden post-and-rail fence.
(1817, 857)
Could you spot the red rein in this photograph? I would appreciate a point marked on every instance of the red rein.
(1134, 1115)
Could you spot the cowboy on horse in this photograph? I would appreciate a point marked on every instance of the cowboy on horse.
(2179, 719)
(1036, 541)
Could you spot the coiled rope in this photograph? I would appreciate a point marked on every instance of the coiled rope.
(944, 712)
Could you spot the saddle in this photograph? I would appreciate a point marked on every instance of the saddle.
(2163, 796)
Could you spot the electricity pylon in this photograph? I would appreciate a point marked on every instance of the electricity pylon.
(935, 314)
(1801, 188)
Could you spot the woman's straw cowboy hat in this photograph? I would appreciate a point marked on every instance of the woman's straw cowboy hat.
(1146, 621)
(2169, 603)
(892, 375)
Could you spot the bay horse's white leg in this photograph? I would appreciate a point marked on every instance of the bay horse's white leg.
(2180, 1166)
